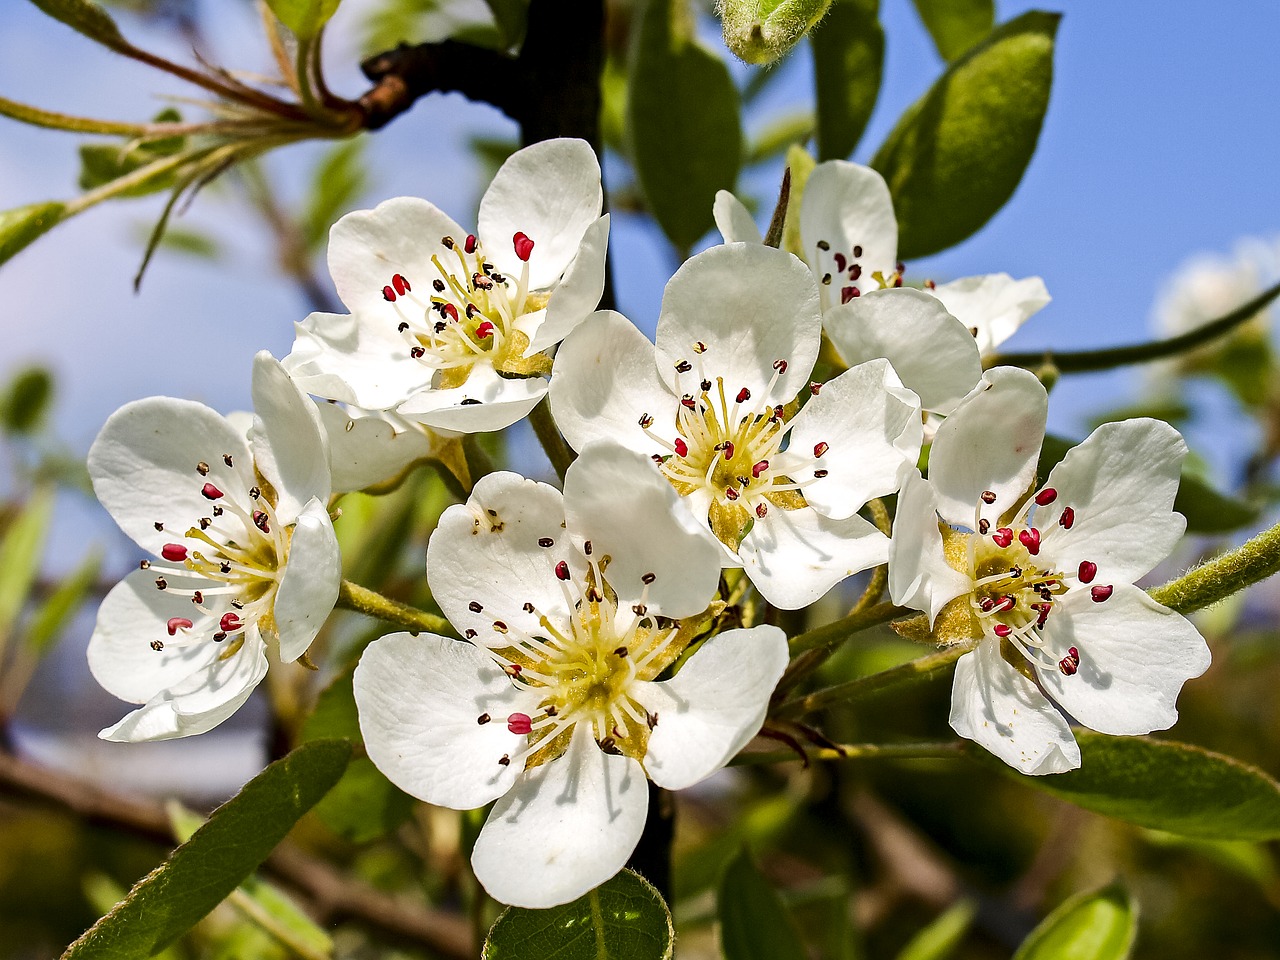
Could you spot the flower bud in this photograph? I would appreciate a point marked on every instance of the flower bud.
(762, 31)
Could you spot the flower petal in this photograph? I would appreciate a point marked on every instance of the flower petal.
(420, 699)
(549, 191)
(614, 498)
(709, 711)
(355, 358)
(309, 588)
(1135, 655)
(485, 553)
(847, 206)
(998, 708)
(485, 402)
(578, 293)
(734, 220)
(795, 556)
(919, 575)
(871, 426)
(992, 306)
(930, 349)
(1121, 483)
(566, 827)
(751, 306)
(144, 467)
(604, 378)
(367, 449)
(990, 443)
(289, 444)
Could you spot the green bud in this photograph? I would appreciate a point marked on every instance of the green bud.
(762, 31)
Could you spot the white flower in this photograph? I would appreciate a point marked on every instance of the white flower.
(1043, 581)
(249, 566)
(935, 338)
(446, 327)
(714, 404)
(370, 448)
(574, 605)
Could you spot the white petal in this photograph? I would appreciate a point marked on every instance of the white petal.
(1135, 655)
(309, 587)
(871, 425)
(919, 575)
(420, 699)
(565, 827)
(143, 467)
(795, 556)
(368, 449)
(486, 552)
(578, 293)
(846, 205)
(355, 358)
(368, 247)
(485, 402)
(990, 443)
(734, 220)
(604, 378)
(549, 191)
(708, 711)
(993, 306)
(930, 349)
(998, 708)
(289, 444)
(614, 498)
(752, 306)
(1121, 482)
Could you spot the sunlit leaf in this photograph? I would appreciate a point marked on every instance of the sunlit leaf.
(754, 924)
(1098, 925)
(56, 612)
(304, 17)
(848, 58)
(20, 554)
(940, 938)
(86, 17)
(22, 225)
(956, 25)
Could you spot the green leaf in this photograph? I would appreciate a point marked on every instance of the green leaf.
(511, 16)
(754, 925)
(88, 18)
(202, 872)
(1168, 786)
(25, 400)
(848, 59)
(957, 154)
(101, 163)
(778, 136)
(940, 938)
(22, 225)
(20, 553)
(956, 25)
(1097, 925)
(624, 919)
(337, 183)
(53, 616)
(364, 804)
(685, 135)
(303, 17)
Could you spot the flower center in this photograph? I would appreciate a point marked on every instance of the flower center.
(843, 270)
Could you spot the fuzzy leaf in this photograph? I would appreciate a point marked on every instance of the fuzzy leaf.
(848, 58)
(754, 924)
(956, 25)
(1096, 925)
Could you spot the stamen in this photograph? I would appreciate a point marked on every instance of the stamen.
(1088, 570)
(173, 552)
(210, 492)
(519, 723)
(1067, 519)
(523, 245)
(1003, 537)
(1030, 538)
(988, 497)
(178, 623)
(1046, 496)
(1101, 593)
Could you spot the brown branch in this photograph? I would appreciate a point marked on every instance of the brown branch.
(332, 895)
(402, 75)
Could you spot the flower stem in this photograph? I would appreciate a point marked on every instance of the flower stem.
(854, 751)
(352, 596)
(1083, 361)
(831, 634)
(548, 435)
(909, 673)
(1254, 560)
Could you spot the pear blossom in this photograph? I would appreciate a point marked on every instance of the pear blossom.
(936, 337)
(715, 404)
(246, 566)
(447, 328)
(571, 607)
(1042, 579)
(372, 448)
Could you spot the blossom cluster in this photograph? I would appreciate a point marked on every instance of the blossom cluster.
(592, 654)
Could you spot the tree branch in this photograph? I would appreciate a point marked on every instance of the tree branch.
(402, 75)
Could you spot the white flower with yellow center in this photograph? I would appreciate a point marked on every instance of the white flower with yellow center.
(714, 403)
(247, 566)
(574, 605)
(1042, 579)
(447, 327)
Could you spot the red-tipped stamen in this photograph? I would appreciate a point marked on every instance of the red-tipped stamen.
(1046, 496)
(1101, 593)
(743, 395)
(1088, 570)
(1003, 537)
(470, 245)
(682, 448)
(523, 245)
(174, 552)
(485, 330)
(388, 294)
(562, 570)
(1002, 629)
(230, 623)
(519, 723)
(759, 468)
(401, 284)
(211, 492)
(178, 623)
(1030, 538)
(820, 448)
(1067, 519)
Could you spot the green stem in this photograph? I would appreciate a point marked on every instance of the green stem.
(1254, 560)
(854, 751)
(833, 633)
(1084, 361)
(352, 596)
(548, 435)
(912, 672)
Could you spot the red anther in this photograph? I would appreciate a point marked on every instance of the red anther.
(1073, 653)
(562, 570)
(1044, 613)
(841, 262)
(1003, 537)
(388, 294)
(1101, 593)
(780, 366)
(1067, 519)
(1088, 570)
(513, 669)
(687, 400)
(645, 421)
(1046, 496)
(857, 251)
(523, 245)
(175, 552)
(451, 310)
(178, 623)
(1030, 538)
(485, 330)
(988, 496)
(1005, 604)
(897, 281)
(730, 493)
(759, 468)
(230, 623)
(815, 387)
(1002, 629)
(930, 285)
(682, 448)
(849, 293)
(1069, 665)
(820, 448)
(743, 395)
(855, 271)
(728, 449)
(761, 510)
(519, 723)
(401, 284)
(260, 521)
(470, 245)
(987, 604)
(211, 492)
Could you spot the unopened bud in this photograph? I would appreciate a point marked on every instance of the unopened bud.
(762, 31)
